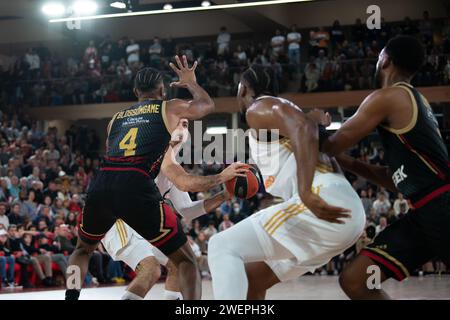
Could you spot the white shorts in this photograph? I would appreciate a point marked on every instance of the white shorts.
(124, 244)
(312, 241)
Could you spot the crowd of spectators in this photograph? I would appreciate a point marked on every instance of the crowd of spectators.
(323, 59)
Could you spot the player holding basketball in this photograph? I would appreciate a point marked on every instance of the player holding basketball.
(302, 233)
(138, 138)
(417, 165)
(124, 244)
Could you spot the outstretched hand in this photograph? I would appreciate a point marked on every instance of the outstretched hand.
(186, 74)
(320, 117)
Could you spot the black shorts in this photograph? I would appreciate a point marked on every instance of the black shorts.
(134, 198)
(410, 242)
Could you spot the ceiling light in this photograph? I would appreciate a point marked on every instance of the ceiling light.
(206, 3)
(178, 10)
(118, 5)
(53, 9)
(168, 6)
(84, 7)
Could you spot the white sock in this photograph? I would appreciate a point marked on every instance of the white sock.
(131, 296)
(172, 295)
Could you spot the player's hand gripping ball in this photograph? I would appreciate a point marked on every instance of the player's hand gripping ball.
(244, 187)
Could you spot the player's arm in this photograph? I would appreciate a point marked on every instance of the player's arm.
(193, 209)
(273, 113)
(185, 181)
(380, 175)
(372, 111)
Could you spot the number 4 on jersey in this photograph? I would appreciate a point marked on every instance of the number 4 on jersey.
(128, 142)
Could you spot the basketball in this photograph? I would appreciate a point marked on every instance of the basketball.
(244, 187)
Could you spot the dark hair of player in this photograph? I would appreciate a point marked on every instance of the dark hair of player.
(260, 80)
(406, 53)
(147, 79)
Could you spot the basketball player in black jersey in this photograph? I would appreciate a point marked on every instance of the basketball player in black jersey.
(138, 138)
(417, 165)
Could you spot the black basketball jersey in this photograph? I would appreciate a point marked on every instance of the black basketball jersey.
(139, 137)
(416, 154)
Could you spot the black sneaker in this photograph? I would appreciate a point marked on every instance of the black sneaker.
(47, 282)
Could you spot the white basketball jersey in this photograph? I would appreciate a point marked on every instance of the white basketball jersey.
(277, 164)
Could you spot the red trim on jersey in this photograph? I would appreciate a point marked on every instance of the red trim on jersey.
(133, 159)
(440, 174)
(430, 196)
(85, 235)
(398, 274)
(170, 222)
(125, 169)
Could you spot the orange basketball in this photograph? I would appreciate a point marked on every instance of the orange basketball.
(244, 187)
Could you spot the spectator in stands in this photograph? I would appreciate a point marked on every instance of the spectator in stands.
(210, 230)
(382, 204)
(337, 35)
(277, 43)
(75, 204)
(155, 52)
(226, 223)
(426, 27)
(14, 216)
(6, 259)
(367, 203)
(133, 53)
(14, 188)
(90, 54)
(382, 225)
(447, 72)
(63, 239)
(71, 219)
(319, 40)
(358, 31)
(400, 205)
(54, 251)
(321, 61)
(37, 259)
(106, 56)
(240, 56)
(4, 192)
(294, 38)
(196, 229)
(237, 215)
(4, 220)
(51, 153)
(31, 205)
(312, 76)
(33, 63)
(223, 42)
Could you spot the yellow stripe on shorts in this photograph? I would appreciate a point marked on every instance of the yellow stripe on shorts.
(122, 232)
(292, 214)
(276, 214)
(284, 212)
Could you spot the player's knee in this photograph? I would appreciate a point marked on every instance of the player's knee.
(83, 248)
(353, 286)
(171, 269)
(149, 269)
(217, 245)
